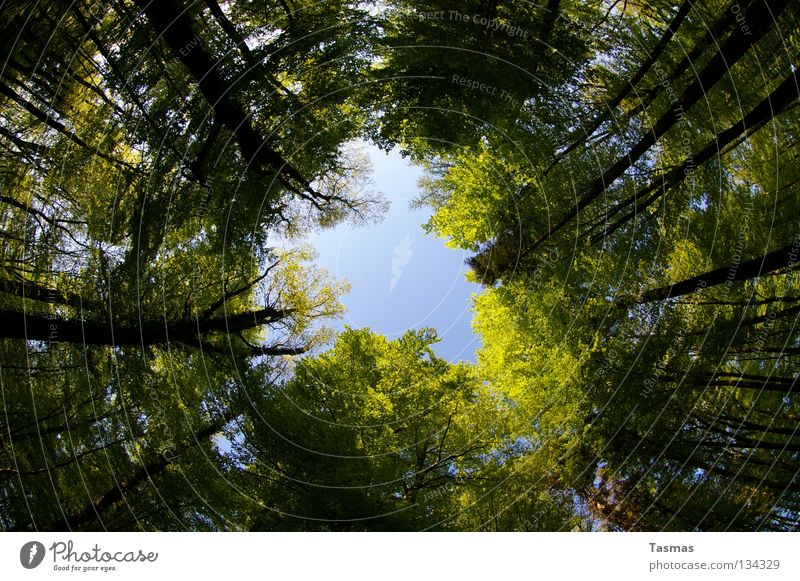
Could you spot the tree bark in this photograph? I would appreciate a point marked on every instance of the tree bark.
(16, 325)
(734, 48)
(95, 509)
(171, 21)
(776, 260)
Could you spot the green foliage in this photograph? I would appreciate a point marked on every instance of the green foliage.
(669, 402)
(629, 204)
(376, 435)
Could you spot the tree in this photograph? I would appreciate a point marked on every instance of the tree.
(657, 228)
(375, 435)
(623, 174)
(137, 282)
(448, 74)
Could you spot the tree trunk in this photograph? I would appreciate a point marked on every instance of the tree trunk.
(774, 104)
(759, 21)
(653, 56)
(172, 23)
(776, 260)
(16, 325)
(710, 38)
(95, 509)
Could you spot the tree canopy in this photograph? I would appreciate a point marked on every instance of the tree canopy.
(623, 176)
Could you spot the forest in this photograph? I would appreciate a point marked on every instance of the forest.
(622, 174)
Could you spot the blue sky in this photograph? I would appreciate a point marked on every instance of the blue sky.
(401, 278)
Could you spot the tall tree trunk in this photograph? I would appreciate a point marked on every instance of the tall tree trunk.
(711, 38)
(254, 64)
(653, 56)
(53, 123)
(776, 260)
(172, 23)
(17, 325)
(94, 510)
(774, 104)
(760, 22)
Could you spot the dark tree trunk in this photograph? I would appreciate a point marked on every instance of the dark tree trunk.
(643, 69)
(774, 104)
(172, 23)
(95, 509)
(781, 258)
(760, 22)
(16, 325)
(710, 38)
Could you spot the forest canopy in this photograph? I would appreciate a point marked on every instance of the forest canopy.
(623, 176)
